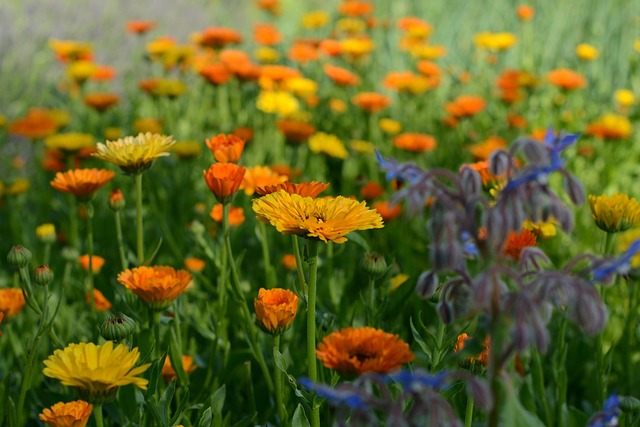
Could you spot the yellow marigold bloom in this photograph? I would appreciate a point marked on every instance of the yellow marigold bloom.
(3, 121)
(636, 45)
(586, 52)
(624, 97)
(260, 176)
(483, 150)
(614, 213)
(96, 370)
(72, 141)
(624, 240)
(315, 19)
(351, 25)
(304, 189)
(611, 126)
(168, 373)
(495, 41)
(337, 105)
(157, 286)
(275, 309)
(82, 183)
(362, 147)
(322, 142)
(186, 149)
(147, 125)
(71, 414)
(541, 229)
(135, 154)
(301, 87)
(266, 54)
(277, 102)
(397, 281)
(11, 301)
(390, 126)
(426, 51)
(70, 50)
(324, 218)
(46, 233)
(60, 117)
(18, 186)
(354, 351)
(356, 47)
(80, 71)
(112, 133)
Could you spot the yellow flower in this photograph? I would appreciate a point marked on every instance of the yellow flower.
(301, 87)
(543, 229)
(362, 147)
(624, 97)
(397, 281)
(135, 154)
(356, 47)
(46, 233)
(315, 19)
(586, 52)
(3, 121)
(321, 142)
(614, 213)
(111, 133)
(495, 41)
(187, 149)
(80, 71)
(322, 218)
(624, 240)
(267, 54)
(71, 414)
(18, 186)
(351, 25)
(147, 125)
(96, 370)
(426, 51)
(636, 45)
(337, 105)
(72, 141)
(390, 126)
(277, 102)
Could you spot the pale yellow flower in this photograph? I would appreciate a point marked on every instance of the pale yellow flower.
(363, 147)
(135, 154)
(71, 141)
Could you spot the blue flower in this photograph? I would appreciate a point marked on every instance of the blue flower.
(340, 395)
(619, 265)
(418, 379)
(608, 417)
(405, 171)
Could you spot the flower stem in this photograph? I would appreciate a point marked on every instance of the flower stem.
(282, 410)
(140, 239)
(296, 253)
(97, 414)
(468, 415)
(90, 253)
(154, 327)
(123, 256)
(311, 326)
(270, 276)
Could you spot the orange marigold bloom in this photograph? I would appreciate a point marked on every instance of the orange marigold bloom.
(415, 142)
(278, 73)
(38, 123)
(260, 176)
(215, 73)
(224, 179)
(71, 414)
(244, 133)
(286, 170)
(566, 79)
(330, 47)
(101, 101)
(482, 150)
(266, 34)
(341, 76)
(517, 241)
(465, 106)
(525, 13)
(97, 262)
(82, 183)
(157, 286)
(194, 265)
(610, 126)
(11, 301)
(235, 60)
(304, 189)
(355, 8)
(354, 351)
(226, 148)
(289, 261)
(371, 101)
(103, 73)
(407, 82)
(275, 309)
(271, 6)
(482, 168)
(140, 27)
(295, 132)
(236, 214)
(516, 121)
(371, 190)
(168, 373)
(482, 358)
(99, 300)
(387, 211)
(217, 37)
(302, 52)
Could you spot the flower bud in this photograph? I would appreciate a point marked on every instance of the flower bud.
(536, 153)
(470, 181)
(46, 233)
(427, 283)
(629, 404)
(374, 264)
(499, 162)
(43, 275)
(70, 254)
(116, 200)
(19, 256)
(117, 327)
(275, 309)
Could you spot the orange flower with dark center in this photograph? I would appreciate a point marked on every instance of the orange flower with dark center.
(304, 189)
(140, 27)
(215, 73)
(415, 142)
(266, 34)
(97, 262)
(341, 76)
(71, 414)
(275, 309)
(371, 190)
(224, 179)
(38, 123)
(157, 286)
(169, 374)
(354, 351)
(465, 106)
(82, 183)
(101, 101)
(387, 211)
(236, 214)
(218, 37)
(517, 241)
(11, 301)
(295, 132)
(371, 101)
(260, 176)
(101, 303)
(566, 79)
(194, 265)
(226, 148)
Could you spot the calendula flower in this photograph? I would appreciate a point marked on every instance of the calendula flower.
(390, 126)
(362, 147)
(194, 265)
(96, 263)
(148, 125)
(482, 358)
(101, 101)
(70, 50)
(566, 79)
(46, 233)
(236, 214)
(415, 142)
(169, 374)
(304, 189)
(353, 351)
(82, 183)
(289, 261)
(483, 150)
(266, 54)
(295, 132)
(614, 213)
(587, 52)
(325, 218)
(610, 126)
(387, 210)
(71, 414)
(81, 71)
(224, 180)
(495, 41)
(38, 123)
(226, 148)
(157, 286)
(371, 101)
(187, 149)
(624, 97)
(11, 301)
(465, 106)
(140, 27)
(260, 176)
(397, 281)
(72, 141)
(525, 12)
(135, 154)
(517, 241)
(275, 309)
(315, 19)
(99, 300)
(341, 76)
(328, 144)
(218, 37)
(96, 370)
(18, 186)
(277, 102)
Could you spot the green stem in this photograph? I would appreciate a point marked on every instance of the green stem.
(608, 243)
(311, 326)
(154, 327)
(601, 381)
(372, 299)
(270, 277)
(299, 269)
(468, 413)
(121, 250)
(437, 353)
(90, 253)
(139, 235)
(73, 221)
(282, 410)
(538, 384)
(47, 253)
(97, 414)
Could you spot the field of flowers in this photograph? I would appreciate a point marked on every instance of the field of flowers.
(280, 213)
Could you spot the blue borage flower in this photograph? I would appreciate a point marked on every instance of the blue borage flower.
(617, 265)
(417, 379)
(345, 394)
(608, 417)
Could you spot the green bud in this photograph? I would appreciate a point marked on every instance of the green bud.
(374, 264)
(19, 256)
(43, 275)
(117, 327)
(70, 254)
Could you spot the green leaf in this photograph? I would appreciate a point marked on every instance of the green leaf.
(178, 413)
(155, 413)
(416, 336)
(206, 419)
(515, 415)
(300, 418)
(359, 240)
(280, 361)
(176, 356)
(217, 400)
(154, 253)
(165, 401)
(246, 421)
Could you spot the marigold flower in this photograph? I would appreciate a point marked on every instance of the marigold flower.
(275, 309)
(302, 52)
(610, 126)
(482, 150)
(82, 183)
(427, 51)
(170, 88)
(587, 52)
(354, 351)
(226, 148)
(288, 262)
(46, 233)
(386, 210)
(295, 132)
(355, 8)
(371, 190)
(371, 101)
(495, 41)
(266, 54)
(614, 213)
(390, 126)
(322, 142)
(38, 123)
(624, 97)
(11, 301)
(408, 82)
(271, 6)
(260, 176)
(99, 300)
(81, 71)
(415, 142)
(315, 20)
(266, 34)
(18, 186)
(224, 180)
(305, 189)
(277, 102)
(101, 101)
(517, 241)
(244, 133)
(236, 214)
(72, 141)
(566, 79)
(465, 106)
(218, 37)
(140, 27)
(482, 358)
(525, 13)
(324, 218)
(355, 48)
(186, 149)
(194, 265)
(148, 125)
(135, 154)
(71, 414)
(157, 286)
(97, 262)
(168, 373)
(341, 76)
(96, 370)
(70, 50)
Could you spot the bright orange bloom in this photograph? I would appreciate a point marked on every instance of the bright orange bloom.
(371, 190)
(278, 73)
(101, 101)
(260, 176)
(354, 351)
(483, 357)
(610, 126)
(525, 13)
(218, 37)
(355, 8)
(566, 79)
(101, 303)
(266, 34)
(215, 73)
(371, 101)
(275, 309)
(341, 76)
(236, 214)
(482, 168)
(465, 106)
(194, 265)
(295, 132)
(168, 373)
(71, 414)
(271, 6)
(304, 189)
(330, 47)
(289, 261)
(518, 122)
(286, 170)
(244, 133)
(226, 148)
(386, 210)
(157, 286)
(96, 263)
(38, 123)
(482, 150)
(408, 82)
(302, 52)
(140, 27)
(517, 241)
(82, 183)
(415, 142)
(224, 179)
(11, 301)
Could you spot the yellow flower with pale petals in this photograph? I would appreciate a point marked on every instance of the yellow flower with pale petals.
(96, 370)
(427, 51)
(351, 25)
(322, 142)
(46, 233)
(135, 154)
(277, 102)
(614, 213)
(70, 414)
(586, 52)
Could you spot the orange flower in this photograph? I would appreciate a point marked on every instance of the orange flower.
(566, 79)
(482, 168)
(525, 13)
(482, 358)
(194, 265)
(305, 189)
(330, 47)
(286, 170)
(82, 183)
(266, 34)
(2, 316)
(341, 76)
(244, 133)
(236, 215)
(295, 132)
(371, 101)
(224, 179)
(371, 190)
(482, 150)
(11, 301)
(302, 52)
(465, 106)
(415, 142)
(278, 73)
(103, 73)
(217, 37)
(408, 82)
(517, 241)
(353, 351)
(38, 123)
(610, 126)
(387, 211)
(96, 263)
(271, 6)
(168, 373)
(101, 303)
(226, 148)
(215, 73)
(275, 309)
(140, 27)
(289, 261)
(101, 101)
(71, 414)
(157, 286)
(260, 176)
(355, 8)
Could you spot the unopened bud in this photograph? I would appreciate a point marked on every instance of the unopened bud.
(629, 404)
(116, 200)
(70, 254)
(374, 264)
(535, 152)
(19, 256)
(117, 327)
(43, 275)
(499, 162)
(427, 283)
(470, 181)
